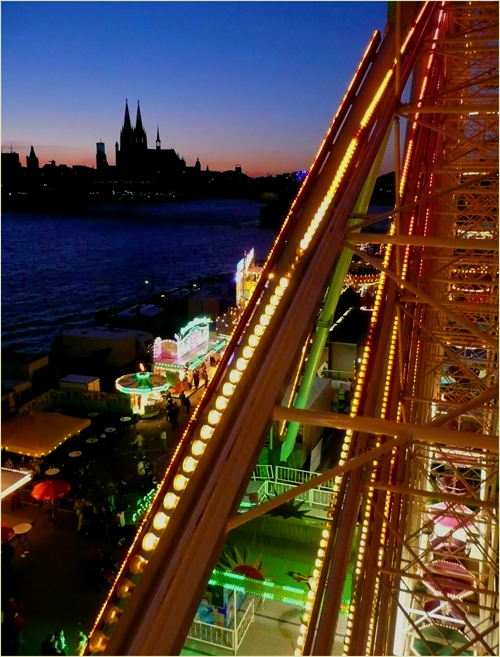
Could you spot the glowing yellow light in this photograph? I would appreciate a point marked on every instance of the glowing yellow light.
(170, 501)
(206, 431)
(180, 482)
(160, 521)
(304, 243)
(259, 331)
(189, 464)
(197, 448)
(269, 310)
(318, 563)
(221, 402)
(234, 376)
(300, 640)
(241, 364)
(150, 541)
(138, 564)
(253, 340)
(303, 629)
(274, 300)
(279, 291)
(214, 417)
(247, 352)
(264, 320)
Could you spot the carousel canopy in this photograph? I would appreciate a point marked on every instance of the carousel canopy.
(142, 383)
(38, 434)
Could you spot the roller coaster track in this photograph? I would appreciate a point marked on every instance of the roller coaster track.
(430, 362)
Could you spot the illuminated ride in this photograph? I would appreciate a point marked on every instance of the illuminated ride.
(418, 471)
(145, 389)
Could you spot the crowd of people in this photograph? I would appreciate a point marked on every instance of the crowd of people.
(104, 516)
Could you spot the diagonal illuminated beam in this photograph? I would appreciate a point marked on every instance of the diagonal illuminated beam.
(337, 471)
(484, 337)
(388, 428)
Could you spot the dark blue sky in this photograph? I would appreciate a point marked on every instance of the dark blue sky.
(250, 83)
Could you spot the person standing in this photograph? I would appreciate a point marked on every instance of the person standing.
(139, 441)
(60, 642)
(79, 507)
(196, 378)
(163, 438)
(81, 641)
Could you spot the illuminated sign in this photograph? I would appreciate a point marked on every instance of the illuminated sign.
(192, 336)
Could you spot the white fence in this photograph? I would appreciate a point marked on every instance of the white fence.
(224, 637)
(277, 480)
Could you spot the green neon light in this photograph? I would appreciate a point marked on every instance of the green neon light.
(197, 321)
(262, 588)
(143, 505)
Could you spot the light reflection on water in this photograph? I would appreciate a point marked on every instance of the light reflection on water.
(58, 271)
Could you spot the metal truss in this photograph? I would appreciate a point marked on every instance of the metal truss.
(440, 354)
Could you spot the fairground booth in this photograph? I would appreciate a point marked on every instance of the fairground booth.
(192, 347)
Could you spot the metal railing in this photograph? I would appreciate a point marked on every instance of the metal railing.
(224, 637)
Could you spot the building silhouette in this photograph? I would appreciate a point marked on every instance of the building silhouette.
(135, 160)
(32, 163)
(100, 156)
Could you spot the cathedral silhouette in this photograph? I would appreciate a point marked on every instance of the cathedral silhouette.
(135, 159)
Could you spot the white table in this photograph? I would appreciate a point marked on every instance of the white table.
(20, 532)
(74, 454)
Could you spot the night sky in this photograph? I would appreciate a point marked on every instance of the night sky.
(249, 83)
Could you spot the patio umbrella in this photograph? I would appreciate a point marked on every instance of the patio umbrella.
(455, 580)
(441, 641)
(50, 489)
(7, 533)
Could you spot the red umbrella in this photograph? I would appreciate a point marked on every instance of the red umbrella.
(51, 489)
(7, 533)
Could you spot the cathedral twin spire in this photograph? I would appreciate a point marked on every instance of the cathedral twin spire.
(138, 133)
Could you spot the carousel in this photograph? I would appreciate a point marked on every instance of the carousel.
(145, 388)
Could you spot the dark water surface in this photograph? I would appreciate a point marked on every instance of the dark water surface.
(58, 271)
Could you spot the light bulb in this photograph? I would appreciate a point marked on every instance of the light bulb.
(189, 464)
(214, 417)
(247, 352)
(284, 282)
(241, 364)
(197, 448)
(228, 389)
(264, 320)
(206, 432)
(253, 340)
(138, 564)
(170, 501)
(180, 482)
(149, 542)
(160, 521)
(274, 300)
(221, 402)
(234, 376)
(259, 330)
